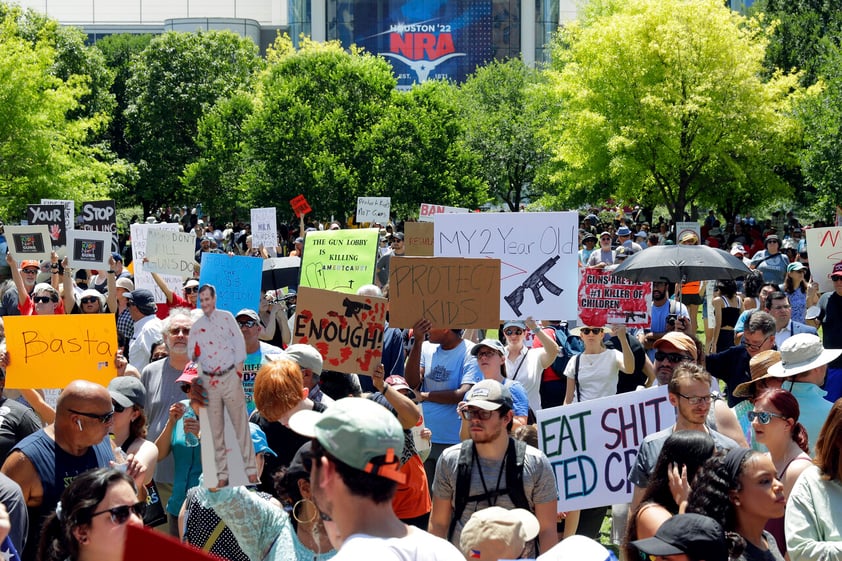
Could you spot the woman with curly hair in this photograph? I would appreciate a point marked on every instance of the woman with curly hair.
(683, 454)
(740, 491)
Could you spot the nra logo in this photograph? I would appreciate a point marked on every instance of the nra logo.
(422, 49)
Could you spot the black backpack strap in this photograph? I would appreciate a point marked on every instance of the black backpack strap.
(515, 456)
(576, 377)
(463, 483)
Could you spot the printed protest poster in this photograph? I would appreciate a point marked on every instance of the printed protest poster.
(69, 211)
(101, 216)
(170, 252)
(341, 260)
(142, 277)
(825, 247)
(427, 211)
(88, 249)
(300, 206)
(28, 242)
(592, 445)
(264, 227)
(236, 279)
(606, 299)
(345, 328)
(451, 292)
(682, 228)
(418, 239)
(537, 253)
(373, 209)
(52, 351)
(51, 216)
(280, 272)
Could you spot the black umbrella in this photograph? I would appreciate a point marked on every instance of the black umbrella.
(681, 263)
(280, 272)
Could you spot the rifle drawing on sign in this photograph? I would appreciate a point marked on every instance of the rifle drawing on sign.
(535, 282)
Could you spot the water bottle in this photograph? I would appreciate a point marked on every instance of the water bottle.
(121, 461)
(190, 439)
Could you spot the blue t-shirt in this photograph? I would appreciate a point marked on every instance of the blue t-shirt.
(188, 465)
(446, 371)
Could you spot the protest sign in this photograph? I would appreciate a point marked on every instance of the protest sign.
(236, 279)
(451, 292)
(418, 239)
(592, 445)
(373, 209)
(300, 206)
(345, 328)
(428, 211)
(52, 351)
(280, 272)
(88, 249)
(537, 251)
(341, 260)
(69, 211)
(825, 246)
(606, 299)
(143, 544)
(101, 216)
(51, 216)
(28, 242)
(142, 277)
(682, 228)
(264, 227)
(170, 252)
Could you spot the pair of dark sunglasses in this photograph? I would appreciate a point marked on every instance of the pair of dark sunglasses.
(511, 332)
(120, 514)
(675, 358)
(117, 407)
(185, 388)
(589, 330)
(250, 323)
(103, 418)
(44, 299)
(191, 290)
(89, 299)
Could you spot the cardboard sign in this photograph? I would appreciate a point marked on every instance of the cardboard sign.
(143, 544)
(428, 211)
(28, 242)
(340, 260)
(345, 328)
(538, 254)
(280, 272)
(236, 279)
(300, 206)
(264, 227)
(52, 351)
(373, 209)
(51, 216)
(592, 445)
(682, 228)
(418, 238)
(142, 277)
(825, 247)
(453, 293)
(69, 211)
(606, 299)
(170, 252)
(88, 249)
(101, 216)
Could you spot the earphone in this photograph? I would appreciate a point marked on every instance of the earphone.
(79, 422)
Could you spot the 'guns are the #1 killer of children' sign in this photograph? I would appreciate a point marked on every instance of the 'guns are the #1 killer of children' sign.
(605, 298)
(592, 445)
(537, 251)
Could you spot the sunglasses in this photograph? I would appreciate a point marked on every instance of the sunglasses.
(180, 331)
(513, 332)
(764, 417)
(481, 414)
(104, 418)
(589, 330)
(675, 358)
(191, 290)
(44, 299)
(120, 514)
(30, 271)
(483, 354)
(117, 407)
(185, 387)
(250, 323)
(89, 299)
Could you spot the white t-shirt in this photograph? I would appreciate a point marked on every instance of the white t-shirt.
(598, 374)
(528, 374)
(418, 545)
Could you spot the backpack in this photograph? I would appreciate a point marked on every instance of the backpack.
(568, 347)
(515, 454)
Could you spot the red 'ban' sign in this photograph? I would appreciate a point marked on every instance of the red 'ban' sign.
(300, 205)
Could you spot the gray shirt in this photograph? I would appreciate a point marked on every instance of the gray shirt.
(161, 391)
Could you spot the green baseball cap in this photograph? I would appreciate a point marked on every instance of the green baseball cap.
(355, 430)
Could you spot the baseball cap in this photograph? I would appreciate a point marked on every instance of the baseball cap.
(117, 257)
(258, 438)
(623, 252)
(797, 266)
(515, 323)
(127, 391)
(143, 299)
(695, 535)
(497, 533)
(580, 548)
(680, 341)
(191, 282)
(26, 263)
(355, 431)
(604, 234)
(397, 236)
(251, 314)
(125, 283)
(305, 356)
(800, 353)
(397, 382)
(491, 344)
(489, 395)
(189, 374)
(837, 270)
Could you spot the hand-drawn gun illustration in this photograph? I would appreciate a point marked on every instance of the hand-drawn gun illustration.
(534, 282)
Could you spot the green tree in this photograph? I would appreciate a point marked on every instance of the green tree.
(663, 100)
(173, 81)
(502, 125)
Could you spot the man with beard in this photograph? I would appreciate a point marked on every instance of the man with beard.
(29, 269)
(667, 315)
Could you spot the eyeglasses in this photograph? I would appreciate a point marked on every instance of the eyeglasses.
(104, 418)
(191, 290)
(179, 331)
(185, 388)
(764, 417)
(89, 299)
(117, 407)
(44, 299)
(250, 323)
(513, 332)
(29, 271)
(483, 354)
(481, 414)
(675, 358)
(589, 330)
(697, 399)
(753, 347)
(120, 514)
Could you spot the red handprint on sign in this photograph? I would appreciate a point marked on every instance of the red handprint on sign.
(55, 232)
